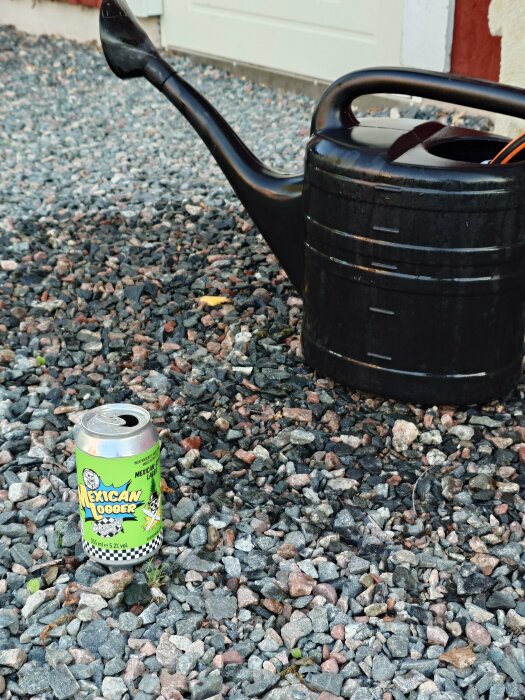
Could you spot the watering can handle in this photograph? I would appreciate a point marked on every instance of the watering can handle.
(334, 110)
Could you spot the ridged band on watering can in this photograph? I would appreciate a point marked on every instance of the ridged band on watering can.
(408, 252)
(118, 472)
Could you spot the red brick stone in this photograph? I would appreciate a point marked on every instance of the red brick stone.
(191, 443)
(246, 457)
(303, 415)
(300, 584)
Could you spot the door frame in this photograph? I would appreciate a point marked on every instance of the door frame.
(428, 29)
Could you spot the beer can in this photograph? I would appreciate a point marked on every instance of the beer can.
(118, 471)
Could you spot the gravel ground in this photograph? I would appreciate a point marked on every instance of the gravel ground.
(319, 543)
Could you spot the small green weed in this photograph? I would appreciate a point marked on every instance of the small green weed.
(156, 575)
(33, 585)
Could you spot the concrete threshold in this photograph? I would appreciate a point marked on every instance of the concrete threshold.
(302, 84)
(314, 87)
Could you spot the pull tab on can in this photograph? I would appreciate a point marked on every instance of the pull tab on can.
(118, 472)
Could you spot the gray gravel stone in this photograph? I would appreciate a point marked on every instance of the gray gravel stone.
(327, 571)
(363, 694)
(208, 687)
(113, 688)
(198, 536)
(232, 566)
(167, 654)
(21, 554)
(93, 635)
(34, 679)
(21, 491)
(408, 682)
(326, 682)
(382, 668)
(295, 630)
(296, 692)
(8, 617)
(192, 562)
(62, 682)
(12, 658)
(221, 607)
(463, 432)
(397, 646)
(114, 666)
(70, 534)
(358, 565)
(13, 530)
(149, 614)
(497, 691)
(128, 622)
(301, 437)
(501, 600)
(319, 619)
(262, 682)
(150, 684)
(512, 670)
(184, 509)
(485, 421)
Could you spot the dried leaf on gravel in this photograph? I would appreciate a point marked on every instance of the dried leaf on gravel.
(214, 301)
(70, 599)
(165, 488)
(44, 634)
(460, 657)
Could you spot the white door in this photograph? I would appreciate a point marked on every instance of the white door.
(316, 38)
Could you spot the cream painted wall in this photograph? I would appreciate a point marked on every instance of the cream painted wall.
(507, 20)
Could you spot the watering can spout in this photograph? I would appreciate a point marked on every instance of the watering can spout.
(273, 199)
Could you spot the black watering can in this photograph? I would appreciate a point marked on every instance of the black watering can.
(407, 250)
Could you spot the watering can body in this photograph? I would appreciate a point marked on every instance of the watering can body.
(413, 277)
(407, 250)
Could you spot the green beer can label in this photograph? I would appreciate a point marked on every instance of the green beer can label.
(120, 504)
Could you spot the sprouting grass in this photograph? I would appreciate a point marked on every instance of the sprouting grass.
(156, 575)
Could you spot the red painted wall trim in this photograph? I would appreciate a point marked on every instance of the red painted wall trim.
(475, 51)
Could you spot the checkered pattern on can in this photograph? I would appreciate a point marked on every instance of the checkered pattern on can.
(116, 555)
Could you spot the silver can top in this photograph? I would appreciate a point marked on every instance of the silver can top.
(116, 420)
(115, 430)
